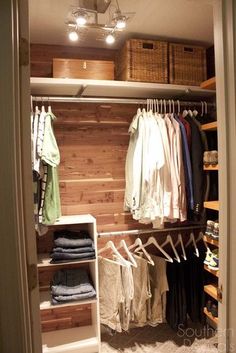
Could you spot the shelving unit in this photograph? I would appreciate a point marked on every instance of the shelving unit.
(212, 205)
(209, 84)
(74, 326)
(210, 126)
(211, 167)
(211, 290)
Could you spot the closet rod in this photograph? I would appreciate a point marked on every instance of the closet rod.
(107, 100)
(147, 231)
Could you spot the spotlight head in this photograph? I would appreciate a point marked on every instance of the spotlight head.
(110, 38)
(120, 22)
(73, 36)
(81, 20)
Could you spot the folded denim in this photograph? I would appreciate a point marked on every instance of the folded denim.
(67, 298)
(70, 239)
(79, 250)
(71, 282)
(71, 256)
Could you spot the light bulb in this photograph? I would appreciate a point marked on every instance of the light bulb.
(73, 36)
(120, 23)
(81, 20)
(110, 39)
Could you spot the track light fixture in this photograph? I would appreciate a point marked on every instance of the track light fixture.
(87, 18)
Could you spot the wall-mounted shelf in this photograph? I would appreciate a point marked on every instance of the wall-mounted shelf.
(114, 89)
(211, 167)
(44, 261)
(211, 317)
(209, 84)
(211, 290)
(214, 273)
(211, 241)
(212, 205)
(210, 126)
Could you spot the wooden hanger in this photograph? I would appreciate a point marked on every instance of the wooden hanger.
(111, 245)
(129, 254)
(170, 241)
(138, 243)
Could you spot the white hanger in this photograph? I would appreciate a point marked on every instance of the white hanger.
(178, 107)
(170, 241)
(111, 245)
(138, 243)
(192, 240)
(152, 240)
(164, 101)
(49, 107)
(42, 106)
(195, 112)
(161, 102)
(173, 106)
(180, 241)
(170, 110)
(130, 256)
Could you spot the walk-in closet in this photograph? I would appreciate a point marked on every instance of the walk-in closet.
(124, 146)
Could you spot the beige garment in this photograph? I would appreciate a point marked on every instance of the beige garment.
(159, 287)
(128, 288)
(142, 292)
(111, 293)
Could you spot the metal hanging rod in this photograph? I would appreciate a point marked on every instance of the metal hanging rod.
(108, 100)
(148, 231)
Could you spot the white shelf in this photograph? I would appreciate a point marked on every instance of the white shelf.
(114, 89)
(78, 219)
(73, 340)
(44, 261)
(45, 302)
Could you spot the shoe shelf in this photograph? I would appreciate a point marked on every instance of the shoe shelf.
(211, 317)
(212, 205)
(210, 126)
(211, 289)
(211, 167)
(209, 84)
(211, 241)
(214, 273)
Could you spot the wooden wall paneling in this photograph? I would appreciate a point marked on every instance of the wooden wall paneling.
(41, 56)
(66, 317)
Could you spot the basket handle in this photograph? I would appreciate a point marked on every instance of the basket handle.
(148, 45)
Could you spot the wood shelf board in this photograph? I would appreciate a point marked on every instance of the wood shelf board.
(113, 89)
(212, 205)
(211, 167)
(78, 339)
(74, 219)
(44, 261)
(210, 316)
(214, 273)
(210, 126)
(45, 302)
(209, 84)
(211, 290)
(211, 241)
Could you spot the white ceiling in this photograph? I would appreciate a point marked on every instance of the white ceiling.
(183, 20)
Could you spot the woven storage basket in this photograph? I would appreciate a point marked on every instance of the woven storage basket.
(187, 64)
(143, 60)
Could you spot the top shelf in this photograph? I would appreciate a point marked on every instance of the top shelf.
(77, 219)
(209, 84)
(114, 89)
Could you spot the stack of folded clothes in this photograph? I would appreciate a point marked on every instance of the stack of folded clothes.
(71, 284)
(72, 246)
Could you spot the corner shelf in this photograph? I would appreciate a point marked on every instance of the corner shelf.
(214, 273)
(212, 205)
(211, 317)
(210, 126)
(211, 241)
(209, 84)
(211, 290)
(211, 167)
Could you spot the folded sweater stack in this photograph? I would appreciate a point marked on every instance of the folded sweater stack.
(70, 285)
(72, 246)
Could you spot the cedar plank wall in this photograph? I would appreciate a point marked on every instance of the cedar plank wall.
(93, 142)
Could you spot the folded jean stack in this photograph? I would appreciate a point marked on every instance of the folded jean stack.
(71, 284)
(72, 246)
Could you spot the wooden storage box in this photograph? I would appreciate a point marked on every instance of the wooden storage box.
(143, 60)
(187, 64)
(87, 69)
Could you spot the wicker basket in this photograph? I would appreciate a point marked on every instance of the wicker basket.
(143, 60)
(187, 64)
